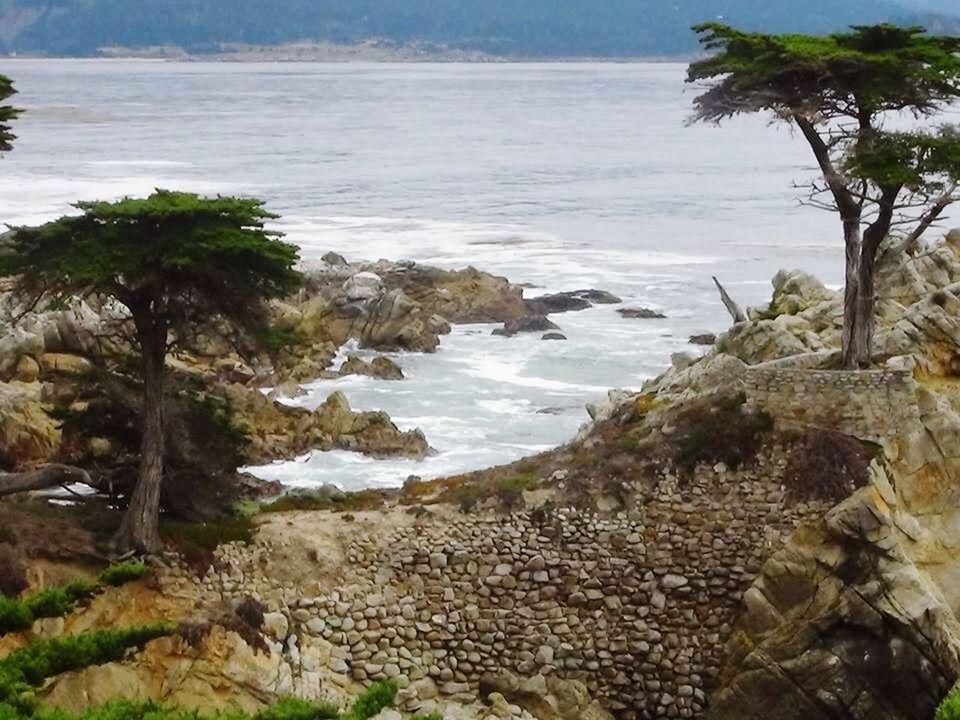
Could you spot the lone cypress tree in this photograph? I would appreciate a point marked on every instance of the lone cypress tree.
(844, 92)
(7, 114)
(180, 264)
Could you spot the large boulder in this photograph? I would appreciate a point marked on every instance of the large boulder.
(762, 340)
(393, 321)
(28, 435)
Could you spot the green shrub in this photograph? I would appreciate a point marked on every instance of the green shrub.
(374, 699)
(718, 429)
(431, 716)
(510, 490)
(18, 614)
(293, 709)
(949, 708)
(29, 666)
(287, 709)
(121, 573)
(14, 615)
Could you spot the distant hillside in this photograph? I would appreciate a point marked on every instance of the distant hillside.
(506, 27)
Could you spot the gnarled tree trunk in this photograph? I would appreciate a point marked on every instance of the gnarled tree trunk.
(140, 528)
(850, 356)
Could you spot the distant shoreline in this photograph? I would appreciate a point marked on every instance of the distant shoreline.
(322, 52)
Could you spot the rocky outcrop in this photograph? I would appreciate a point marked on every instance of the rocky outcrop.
(28, 435)
(382, 368)
(276, 431)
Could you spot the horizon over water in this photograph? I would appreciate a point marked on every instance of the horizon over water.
(565, 176)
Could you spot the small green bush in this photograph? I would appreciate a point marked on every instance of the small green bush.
(121, 573)
(18, 614)
(431, 716)
(287, 709)
(29, 666)
(718, 429)
(374, 699)
(949, 708)
(14, 615)
(293, 709)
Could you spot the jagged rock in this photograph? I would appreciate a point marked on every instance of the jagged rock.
(641, 314)
(14, 345)
(363, 287)
(528, 323)
(278, 431)
(570, 301)
(553, 336)
(795, 291)
(763, 340)
(381, 367)
(65, 363)
(703, 339)
(334, 259)
(393, 321)
(843, 620)
(28, 435)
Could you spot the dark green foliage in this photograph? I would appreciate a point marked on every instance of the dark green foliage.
(950, 707)
(292, 709)
(286, 709)
(431, 716)
(510, 490)
(198, 259)
(29, 666)
(881, 68)
(531, 27)
(121, 573)
(374, 699)
(275, 340)
(7, 114)
(19, 614)
(718, 430)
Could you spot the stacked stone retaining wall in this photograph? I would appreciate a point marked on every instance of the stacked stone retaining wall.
(870, 405)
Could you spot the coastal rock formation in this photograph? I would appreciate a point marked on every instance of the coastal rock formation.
(276, 431)
(28, 435)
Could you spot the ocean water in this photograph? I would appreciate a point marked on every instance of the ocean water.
(564, 176)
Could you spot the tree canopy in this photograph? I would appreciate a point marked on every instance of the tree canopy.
(852, 95)
(181, 265)
(191, 260)
(8, 113)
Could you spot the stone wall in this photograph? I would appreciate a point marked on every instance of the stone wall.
(870, 405)
(637, 606)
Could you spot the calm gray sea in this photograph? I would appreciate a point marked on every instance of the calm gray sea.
(561, 175)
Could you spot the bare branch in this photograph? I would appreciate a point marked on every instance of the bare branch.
(735, 312)
(46, 477)
(930, 217)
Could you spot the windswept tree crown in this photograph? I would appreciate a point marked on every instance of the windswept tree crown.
(185, 259)
(856, 74)
(8, 113)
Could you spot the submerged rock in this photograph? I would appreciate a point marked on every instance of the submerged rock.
(641, 314)
(528, 323)
(570, 301)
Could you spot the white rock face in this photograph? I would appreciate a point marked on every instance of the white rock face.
(363, 287)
